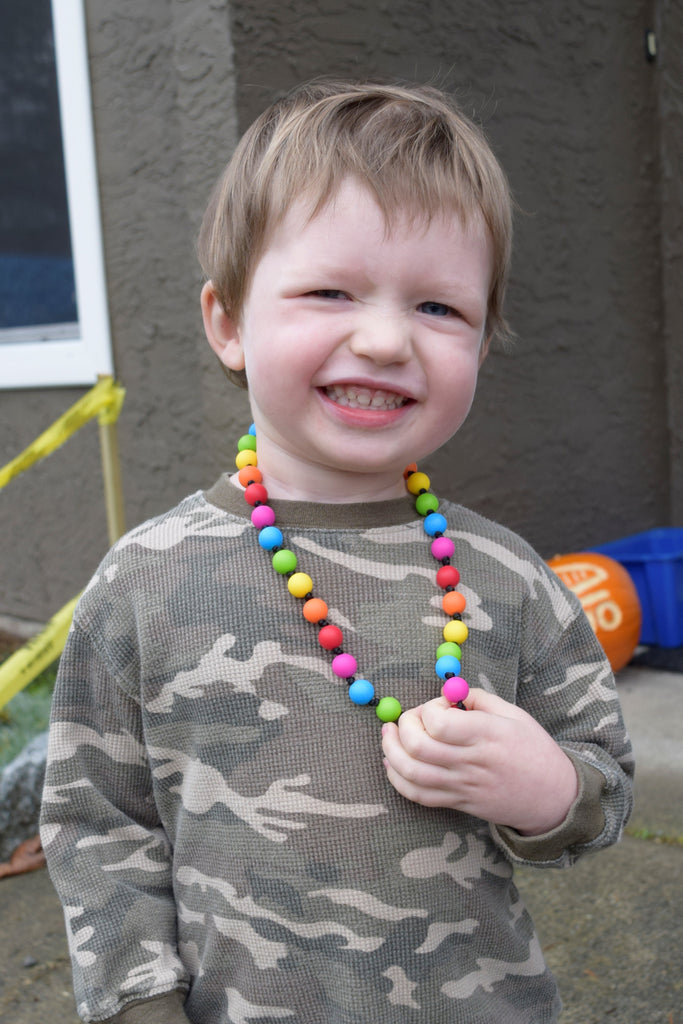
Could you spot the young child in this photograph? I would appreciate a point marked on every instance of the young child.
(239, 824)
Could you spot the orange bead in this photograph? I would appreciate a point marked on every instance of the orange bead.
(453, 603)
(314, 609)
(250, 475)
(411, 468)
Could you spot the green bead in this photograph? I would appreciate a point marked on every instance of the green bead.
(449, 647)
(388, 709)
(426, 502)
(246, 443)
(284, 561)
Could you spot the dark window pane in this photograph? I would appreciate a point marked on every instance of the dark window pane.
(36, 270)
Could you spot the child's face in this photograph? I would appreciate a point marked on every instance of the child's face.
(361, 345)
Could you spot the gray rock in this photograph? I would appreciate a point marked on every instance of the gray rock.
(21, 786)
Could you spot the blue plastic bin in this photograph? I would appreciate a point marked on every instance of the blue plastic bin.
(654, 560)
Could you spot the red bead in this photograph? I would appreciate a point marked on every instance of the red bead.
(330, 637)
(448, 576)
(255, 493)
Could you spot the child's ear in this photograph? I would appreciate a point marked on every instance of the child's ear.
(222, 332)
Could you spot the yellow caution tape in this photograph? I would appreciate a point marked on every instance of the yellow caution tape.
(22, 667)
(104, 401)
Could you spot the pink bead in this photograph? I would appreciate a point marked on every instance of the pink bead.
(344, 665)
(455, 689)
(443, 547)
(262, 515)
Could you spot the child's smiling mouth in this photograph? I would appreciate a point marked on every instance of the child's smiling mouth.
(355, 396)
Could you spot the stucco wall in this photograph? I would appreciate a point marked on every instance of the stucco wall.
(670, 34)
(162, 84)
(568, 441)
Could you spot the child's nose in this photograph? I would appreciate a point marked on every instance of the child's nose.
(383, 337)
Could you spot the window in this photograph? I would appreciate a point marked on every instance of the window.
(54, 325)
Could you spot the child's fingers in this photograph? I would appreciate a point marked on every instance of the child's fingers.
(425, 779)
(407, 743)
(483, 718)
(428, 795)
(482, 700)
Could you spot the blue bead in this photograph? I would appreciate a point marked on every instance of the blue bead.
(435, 523)
(445, 664)
(252, 430)
(361, 691)
(270, 537)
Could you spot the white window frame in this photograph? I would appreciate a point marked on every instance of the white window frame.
(70, 354)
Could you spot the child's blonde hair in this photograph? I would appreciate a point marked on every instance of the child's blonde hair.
(410, 145)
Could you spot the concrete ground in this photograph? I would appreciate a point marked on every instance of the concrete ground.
(611, 927)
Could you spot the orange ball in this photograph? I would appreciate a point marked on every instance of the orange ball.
(453, 602)
(314, 609)
(250, 475)
(609, 598)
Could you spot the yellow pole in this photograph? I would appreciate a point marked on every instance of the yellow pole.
(111, 472)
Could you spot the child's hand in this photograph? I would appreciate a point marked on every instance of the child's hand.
(493, 761)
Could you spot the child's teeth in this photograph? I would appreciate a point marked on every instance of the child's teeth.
(364, 398)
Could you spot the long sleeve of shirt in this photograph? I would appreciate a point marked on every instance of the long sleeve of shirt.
(110, 856)
(562, 682)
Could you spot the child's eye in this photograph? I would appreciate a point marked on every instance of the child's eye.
(436, 309)
(328, 293)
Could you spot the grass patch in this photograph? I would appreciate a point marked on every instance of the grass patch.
(654, 836)
(26, 715)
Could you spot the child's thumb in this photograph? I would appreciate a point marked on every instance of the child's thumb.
(490, 703)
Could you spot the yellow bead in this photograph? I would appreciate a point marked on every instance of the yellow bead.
(417, 482)
(245, 458)
(455, 631)
(300, 584)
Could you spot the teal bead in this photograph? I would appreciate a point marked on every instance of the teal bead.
(388, 709)
(252, 429)
(284, 561)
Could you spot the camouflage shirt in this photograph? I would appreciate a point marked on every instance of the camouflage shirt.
(217, 818)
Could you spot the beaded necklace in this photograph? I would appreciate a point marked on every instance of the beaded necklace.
(330, 637)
